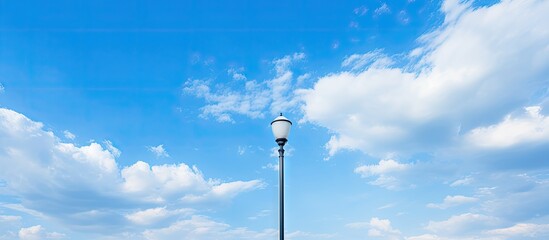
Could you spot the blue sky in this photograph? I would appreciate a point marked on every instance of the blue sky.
(413, 120)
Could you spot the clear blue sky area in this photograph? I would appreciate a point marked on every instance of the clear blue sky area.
(412, 120)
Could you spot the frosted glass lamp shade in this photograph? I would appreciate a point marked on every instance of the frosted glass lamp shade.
(281, 127)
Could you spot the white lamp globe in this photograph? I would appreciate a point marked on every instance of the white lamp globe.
(281, 127)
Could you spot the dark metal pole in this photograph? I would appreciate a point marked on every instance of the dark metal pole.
(281, 179)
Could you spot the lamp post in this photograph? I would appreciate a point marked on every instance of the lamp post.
(281, 129)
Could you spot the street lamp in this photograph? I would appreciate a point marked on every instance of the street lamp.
(281, 129)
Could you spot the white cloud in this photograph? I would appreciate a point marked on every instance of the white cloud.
(499, 60)
(9, 218)
(21, 208)
(255, 99)
(273, 166)
(80, 185)
(223, 103)
(288, 151)
(354, 24)
(383, 167)
(382, 228)
(262, 213)
(379, 228)
(55, 235)
(515, 197)
(302, 78)
(424, 237)
(31, 233)
(454, 9)
(283, 98)
(69, 135)
(94, 155)
(307, 235)
(159, 151)
(37, 232)
(462, 182)
(452, 201)
(153, 215)
(360, 11)
(403, 17)
(162, 182)
(115, 151)
(529, 230)
(358, 225)
(335, 45)
(464, 224)
(384, 171)
(529, 128)
(383, 9)
(236, 74)
(225, 191)
(203, 228)
(517, 231)
(374, 59)
(242, 150)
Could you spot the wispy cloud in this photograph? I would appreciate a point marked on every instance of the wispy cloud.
(528, 230)
(403, 17)
(335, 44)
(69, 135)
(462, 182)
(159, 151)
(255, 99)
(354, 24)
(273, 166)
(452, 201)
(383, 9)
(462, 225)
(236, 73)
(153, 215)
(360, 11)
(262, 213)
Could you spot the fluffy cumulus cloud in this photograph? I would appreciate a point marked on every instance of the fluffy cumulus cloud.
(38, 233)
(83, 186)
(479, 66)
(531, 127)
(31, 233)
(256, 98)
(386, 172)
(377, 228)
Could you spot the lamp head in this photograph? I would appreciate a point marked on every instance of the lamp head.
(281, 129)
